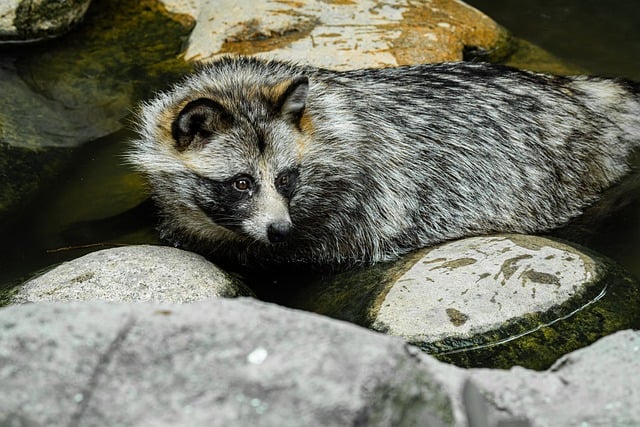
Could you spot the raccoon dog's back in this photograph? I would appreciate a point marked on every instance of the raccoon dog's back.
(268, 162)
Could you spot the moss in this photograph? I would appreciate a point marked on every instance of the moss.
(526, 343)
(122, 47)
(35, 20)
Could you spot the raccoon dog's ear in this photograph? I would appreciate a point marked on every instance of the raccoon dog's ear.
(198, 120)
(292, 102)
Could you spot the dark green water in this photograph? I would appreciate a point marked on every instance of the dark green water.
(66, 106)
(602, 37)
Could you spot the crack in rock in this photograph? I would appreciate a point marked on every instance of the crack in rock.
(85, 395)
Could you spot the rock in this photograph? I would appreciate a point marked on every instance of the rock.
(459, 300)
(133, 273)
(218, 363)
(243, 362)
(30, 20)
(595, 386)
(342, 34)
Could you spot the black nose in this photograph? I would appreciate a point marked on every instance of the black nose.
(278, 232)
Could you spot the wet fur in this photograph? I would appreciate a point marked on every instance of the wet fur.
(386, 160)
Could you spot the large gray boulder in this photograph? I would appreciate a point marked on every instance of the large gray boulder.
(595, 386)
(242, 362)
(216, 363)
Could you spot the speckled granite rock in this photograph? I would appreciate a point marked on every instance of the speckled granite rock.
(133, 273)
(342, 34)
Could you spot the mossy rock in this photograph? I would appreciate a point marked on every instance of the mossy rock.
(495, 301)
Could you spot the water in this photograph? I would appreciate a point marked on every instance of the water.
(601, 37)
(72, 97)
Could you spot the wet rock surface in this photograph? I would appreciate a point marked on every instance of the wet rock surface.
(341, 34)
(133, 273)
(32, 20)
(79, 88)
(485, 301)
(222, 362)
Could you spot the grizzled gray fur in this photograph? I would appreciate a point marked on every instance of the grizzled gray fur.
(265, 162)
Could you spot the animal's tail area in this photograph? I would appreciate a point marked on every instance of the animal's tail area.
(633, 88)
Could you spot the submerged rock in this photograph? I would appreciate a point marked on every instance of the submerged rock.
(486, 301)
(65, 93)
(31, 20)
(133, 273)
(341, 34)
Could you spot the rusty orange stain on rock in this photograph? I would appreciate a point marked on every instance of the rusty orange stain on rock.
(440, 30)
(253, 39)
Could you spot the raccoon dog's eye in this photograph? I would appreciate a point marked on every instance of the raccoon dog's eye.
(282, 181)
(242, 184)
(286, 182)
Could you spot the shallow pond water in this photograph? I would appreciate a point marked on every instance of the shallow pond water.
(68, 104)
(600, 37)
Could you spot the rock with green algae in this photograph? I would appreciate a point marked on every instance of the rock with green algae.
(486, 301)
(32, 20)
(68, 92)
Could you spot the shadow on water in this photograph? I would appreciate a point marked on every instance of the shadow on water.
(600, 37)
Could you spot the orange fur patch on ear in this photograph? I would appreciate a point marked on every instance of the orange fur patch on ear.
(274, 93)
(307, 129)
(170, 114)
(306, 124)
(165, 119)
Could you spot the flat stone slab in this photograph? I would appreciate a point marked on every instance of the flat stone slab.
(339, 34)
(486, 301)
(478, 284)
(133, 273)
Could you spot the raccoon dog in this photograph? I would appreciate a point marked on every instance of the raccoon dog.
(267, 162)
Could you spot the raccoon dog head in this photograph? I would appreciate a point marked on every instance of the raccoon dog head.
(221, 154)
